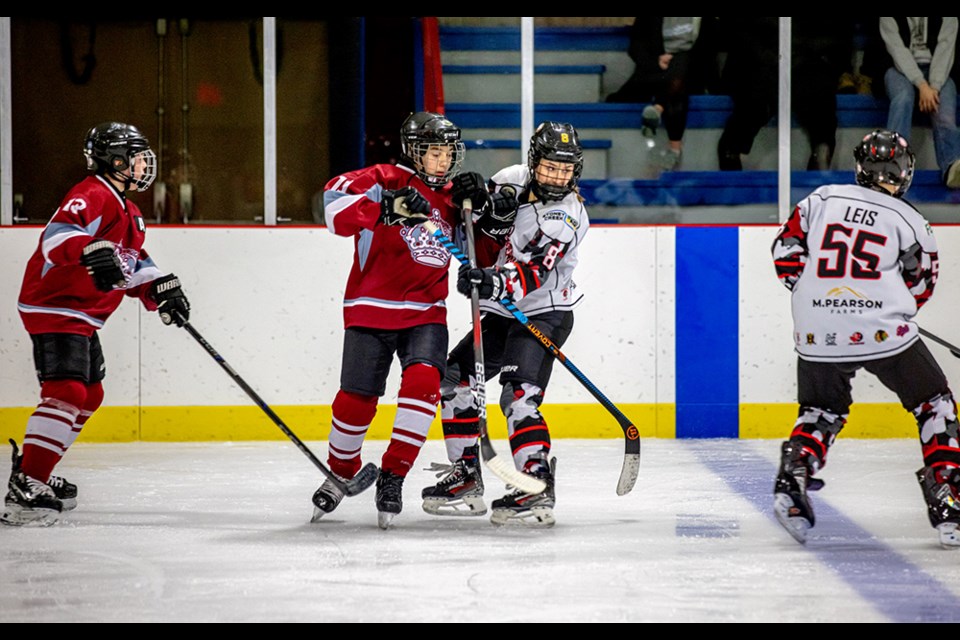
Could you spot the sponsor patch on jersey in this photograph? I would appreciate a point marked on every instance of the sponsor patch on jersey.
(856, 338)
(557, 214)
(830, 340)
(881, 336)
(811, 339)
(571, 222)
(903, 330)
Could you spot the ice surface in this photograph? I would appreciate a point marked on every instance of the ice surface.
(220, 532)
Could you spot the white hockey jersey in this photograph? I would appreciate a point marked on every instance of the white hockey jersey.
(543, 245)
(860, 264)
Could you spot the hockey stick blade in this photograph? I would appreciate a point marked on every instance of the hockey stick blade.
(631, 457)
(360, 482)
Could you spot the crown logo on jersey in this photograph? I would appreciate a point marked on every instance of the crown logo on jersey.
(425, 248)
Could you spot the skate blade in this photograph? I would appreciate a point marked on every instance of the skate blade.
(16, 516)
(949, 535)
(385, 519)
(465, 507)
(796, 526)
(535, 517)
(317, 515)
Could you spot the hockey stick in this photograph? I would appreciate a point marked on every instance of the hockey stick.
(955, 351)
(631, 457)
(367, 475)
(504, 470)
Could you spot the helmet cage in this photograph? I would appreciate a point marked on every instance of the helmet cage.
(121, 152)
(420, 132)
(884, 157)
(558, 142)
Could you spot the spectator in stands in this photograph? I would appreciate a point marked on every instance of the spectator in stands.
(672, 61)
(917, 60)
(821, 51)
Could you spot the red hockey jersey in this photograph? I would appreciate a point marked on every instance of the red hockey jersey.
(399, 277)
(58, 295)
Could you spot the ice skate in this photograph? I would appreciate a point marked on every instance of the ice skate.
(941, 491)
(458, 493)
(326, 498)
(525, 509)
(62, 488)
(389, 497)
(790, 502)
(30, 501)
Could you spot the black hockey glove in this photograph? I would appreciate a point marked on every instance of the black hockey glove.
(404, 206)
(102, 263)
(469, 185)
(172, 304)
(489, 282)
(498, 218)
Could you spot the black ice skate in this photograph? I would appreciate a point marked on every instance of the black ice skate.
(326, 498)
(943, 504)
(790, 502)
(62, 488)
(459, 492)
(526, 509)
(389, 497)
(30, 501)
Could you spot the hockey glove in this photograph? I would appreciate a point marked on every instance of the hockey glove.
(102, 263)
(404, 206)
(498, 218)
(469, 185)
(489, 282)
(172, 304)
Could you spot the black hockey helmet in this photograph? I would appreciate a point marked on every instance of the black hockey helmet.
(560, 142)
(422, 130)
(111, 148)
(884, 157)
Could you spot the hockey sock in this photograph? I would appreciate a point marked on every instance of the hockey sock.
(528, 430)
(814, 432)
(90, 405)
(461, 424)
(939, 433)
(416, 409)
(352, 415)
(50, 427)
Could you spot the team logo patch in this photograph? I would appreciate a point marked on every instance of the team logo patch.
(571, 222)
(856, 338)
(425, 248)
(903, 330)
(811, 339)
(881, 335)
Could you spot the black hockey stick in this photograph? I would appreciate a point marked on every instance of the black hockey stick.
(367, 475)
(503, 469)
(631, 457)
(943, 343)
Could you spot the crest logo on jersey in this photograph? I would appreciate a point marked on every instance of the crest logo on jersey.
(881, 335)
(811, 339)
(830, 340)
(856, 338)
(424, 247)
(903, 330)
